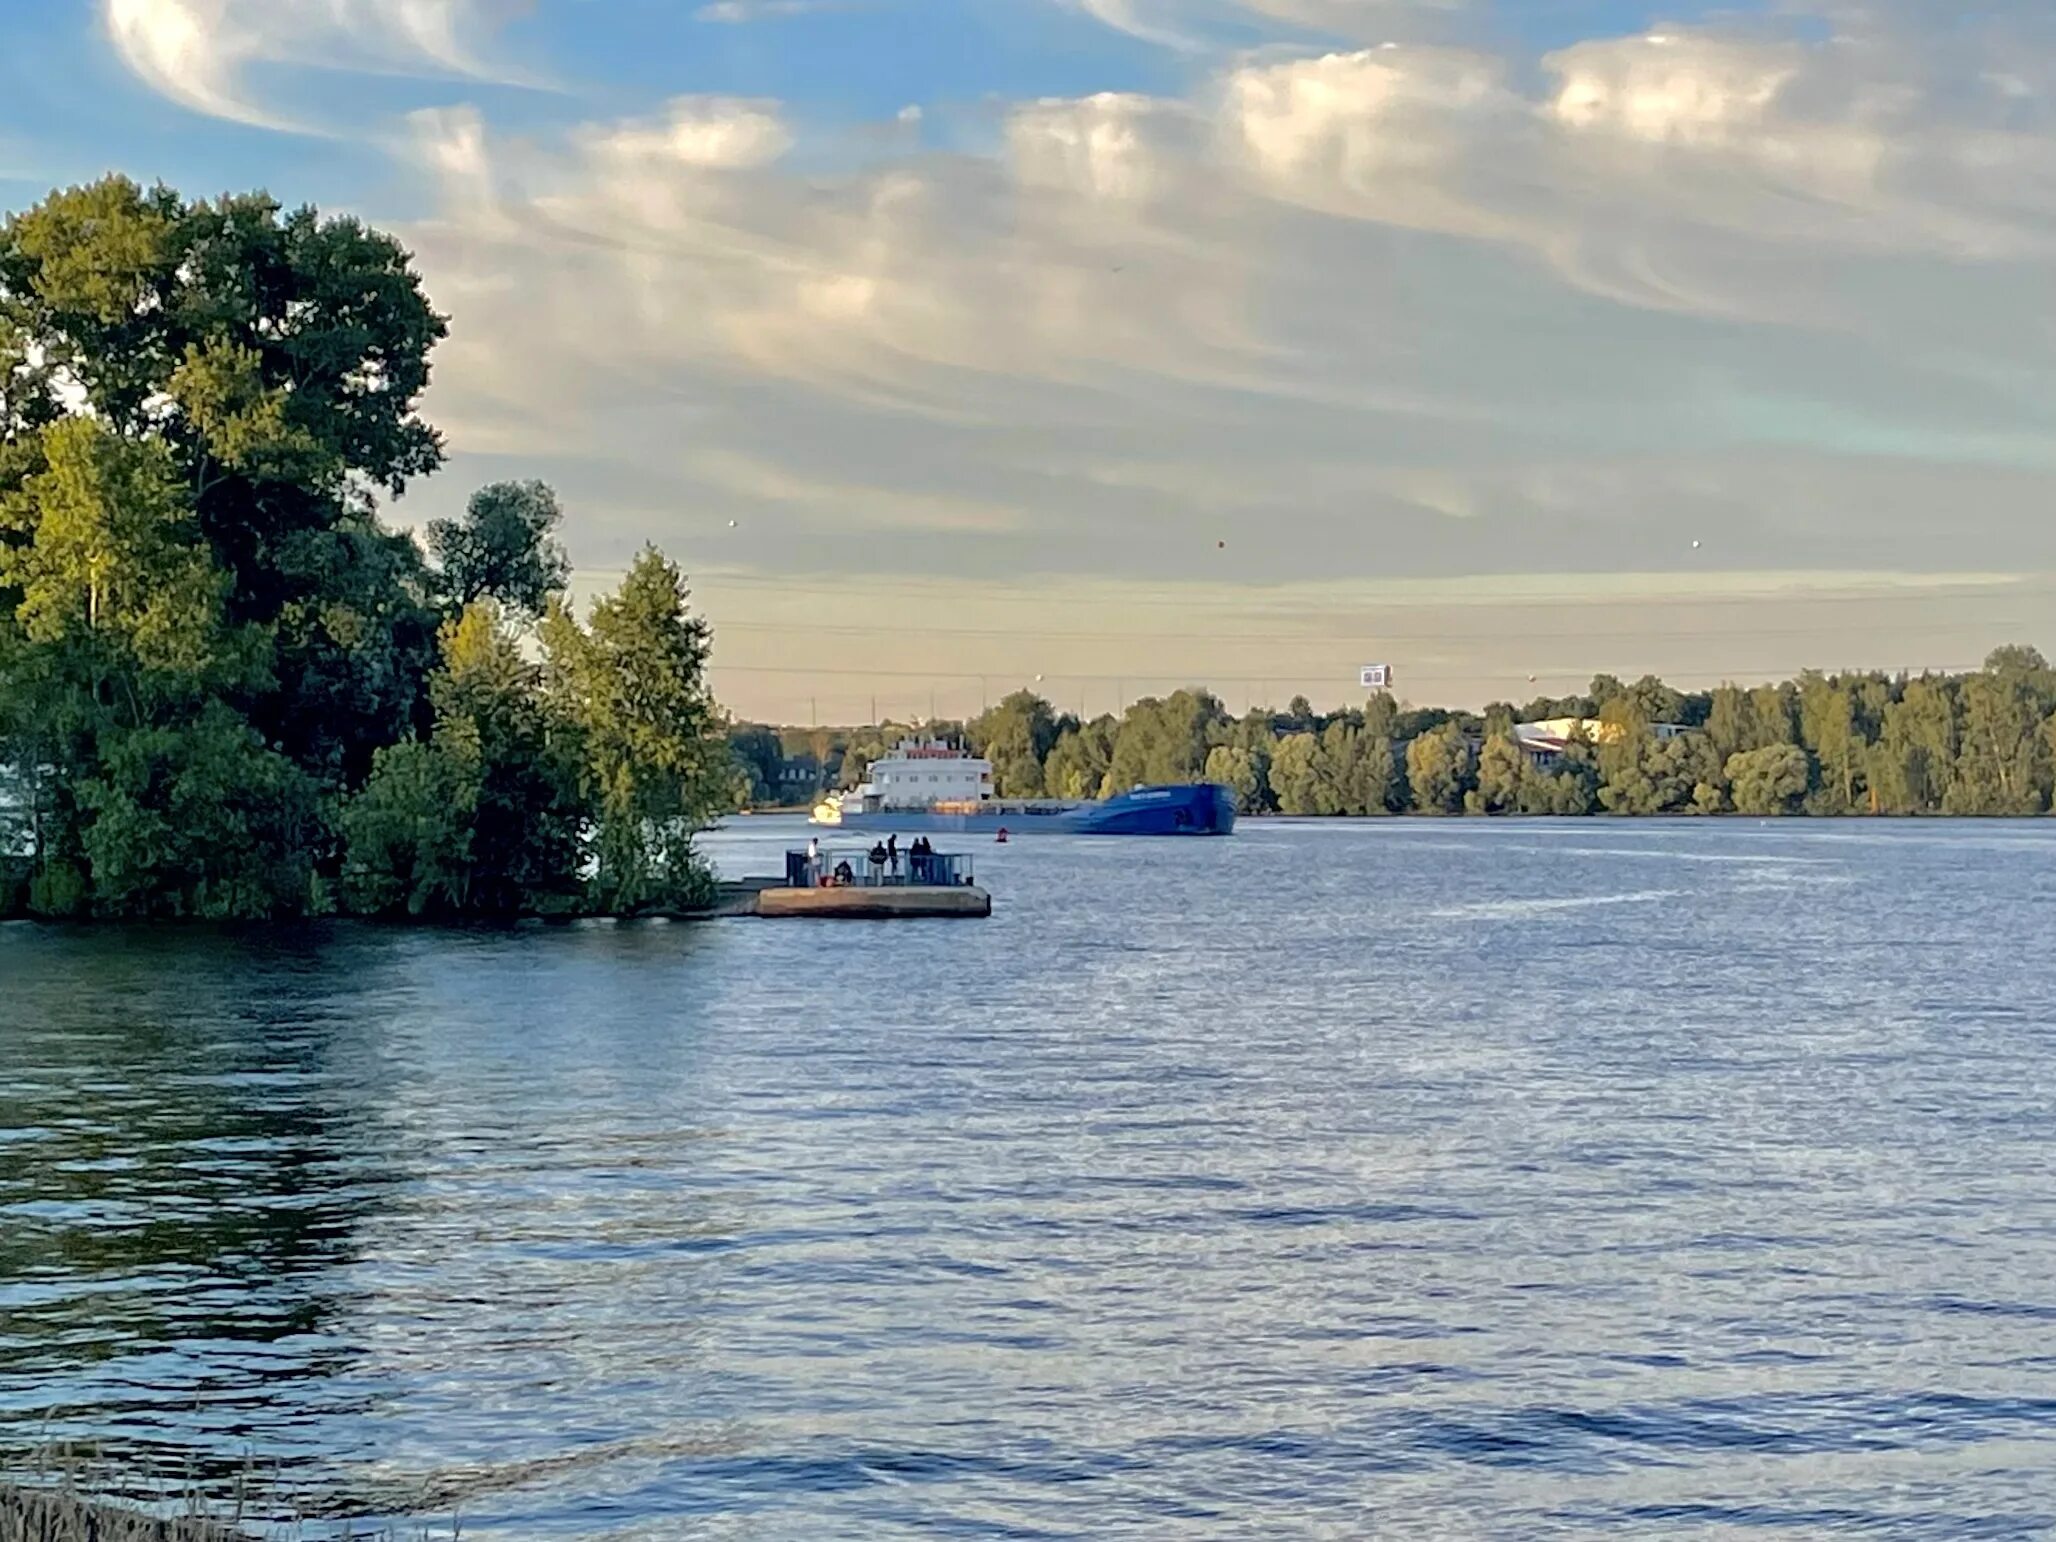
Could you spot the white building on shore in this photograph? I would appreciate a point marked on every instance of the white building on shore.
(1545, 740)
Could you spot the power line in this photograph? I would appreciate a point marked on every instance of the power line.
(869, 589)
(1204, 679)
(1647, 634)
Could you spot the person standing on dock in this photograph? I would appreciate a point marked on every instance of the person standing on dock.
(813, 860)
(877, 862)
(892, 853)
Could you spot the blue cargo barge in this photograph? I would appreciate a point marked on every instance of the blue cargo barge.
(935, 789)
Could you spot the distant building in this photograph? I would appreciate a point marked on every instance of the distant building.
(921, 774)
(799, 778)
(1545, 740)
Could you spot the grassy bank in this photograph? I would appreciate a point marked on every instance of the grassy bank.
(40, 1513)
(55, 1515)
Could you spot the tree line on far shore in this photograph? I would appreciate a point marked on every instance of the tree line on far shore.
(227, 689)
(1982, 743)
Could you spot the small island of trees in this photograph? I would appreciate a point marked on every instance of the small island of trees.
(227, 690)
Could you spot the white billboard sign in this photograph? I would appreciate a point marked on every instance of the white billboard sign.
(1375, 677)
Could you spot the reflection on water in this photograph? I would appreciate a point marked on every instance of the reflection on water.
(1427, 1178)
(185, 1153)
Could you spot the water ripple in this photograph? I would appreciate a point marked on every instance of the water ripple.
(1334, 1180)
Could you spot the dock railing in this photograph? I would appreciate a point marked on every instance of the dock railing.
(931, 870)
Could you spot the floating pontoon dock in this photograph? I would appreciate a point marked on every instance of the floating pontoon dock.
(850, 885)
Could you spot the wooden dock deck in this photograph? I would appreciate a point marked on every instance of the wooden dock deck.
(874, 904)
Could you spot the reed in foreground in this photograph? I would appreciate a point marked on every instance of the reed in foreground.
(56, 1515)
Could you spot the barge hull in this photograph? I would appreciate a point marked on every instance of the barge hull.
(1202, 809)
(875, 904)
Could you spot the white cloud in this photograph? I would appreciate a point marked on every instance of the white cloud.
(201, 53)
(736, 12)
(1426, 312)
(1787, 113)
(1669, 87)
(1145, 19)
(698, 131)
(1378, 132)
(1111, 146)
(1197, 26)
(1668, 171)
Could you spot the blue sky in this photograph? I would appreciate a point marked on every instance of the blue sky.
(839, 64)
(1323, 318)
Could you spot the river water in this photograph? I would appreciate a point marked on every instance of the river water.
(1410, 1178)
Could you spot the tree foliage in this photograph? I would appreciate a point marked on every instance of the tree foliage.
(629, 687)
(1439, 769)
(1017, 736)
(200, 820)
(1080, 759)
(1981, 743)
(1503, 774)
(760, 755)
(1770, 780)
(1166, 741)
(227, 689)
(504, 548)
(484, 818)
(1241, 772)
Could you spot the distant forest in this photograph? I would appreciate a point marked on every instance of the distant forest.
(1846, 744)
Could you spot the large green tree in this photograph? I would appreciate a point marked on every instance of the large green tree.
(1913, 765)
(1166, 742)
(276, 358)
(1831, 730)
(760, 755)
(504, 548)
(1296, 779)
(1244, 772)
(1771, 780)
(1360, 765)
(2000, 767)
(199, 404)
(202, 819)
(1630, 770)
(1017, 736)
(1439, 769)
(484, 818)
(629, 685)
(1078, 762)
(1503, 772)
(407, 834)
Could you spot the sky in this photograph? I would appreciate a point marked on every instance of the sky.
(1109, 346)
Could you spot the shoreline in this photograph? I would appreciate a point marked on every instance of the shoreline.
(737, 897)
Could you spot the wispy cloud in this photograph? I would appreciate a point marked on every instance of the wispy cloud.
(1195, 26)
(1372, 311)
(735, 12)
(1154, 21)
(1396, 308)
(203, 53)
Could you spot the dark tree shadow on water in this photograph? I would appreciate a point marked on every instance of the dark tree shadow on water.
(189, 1145)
